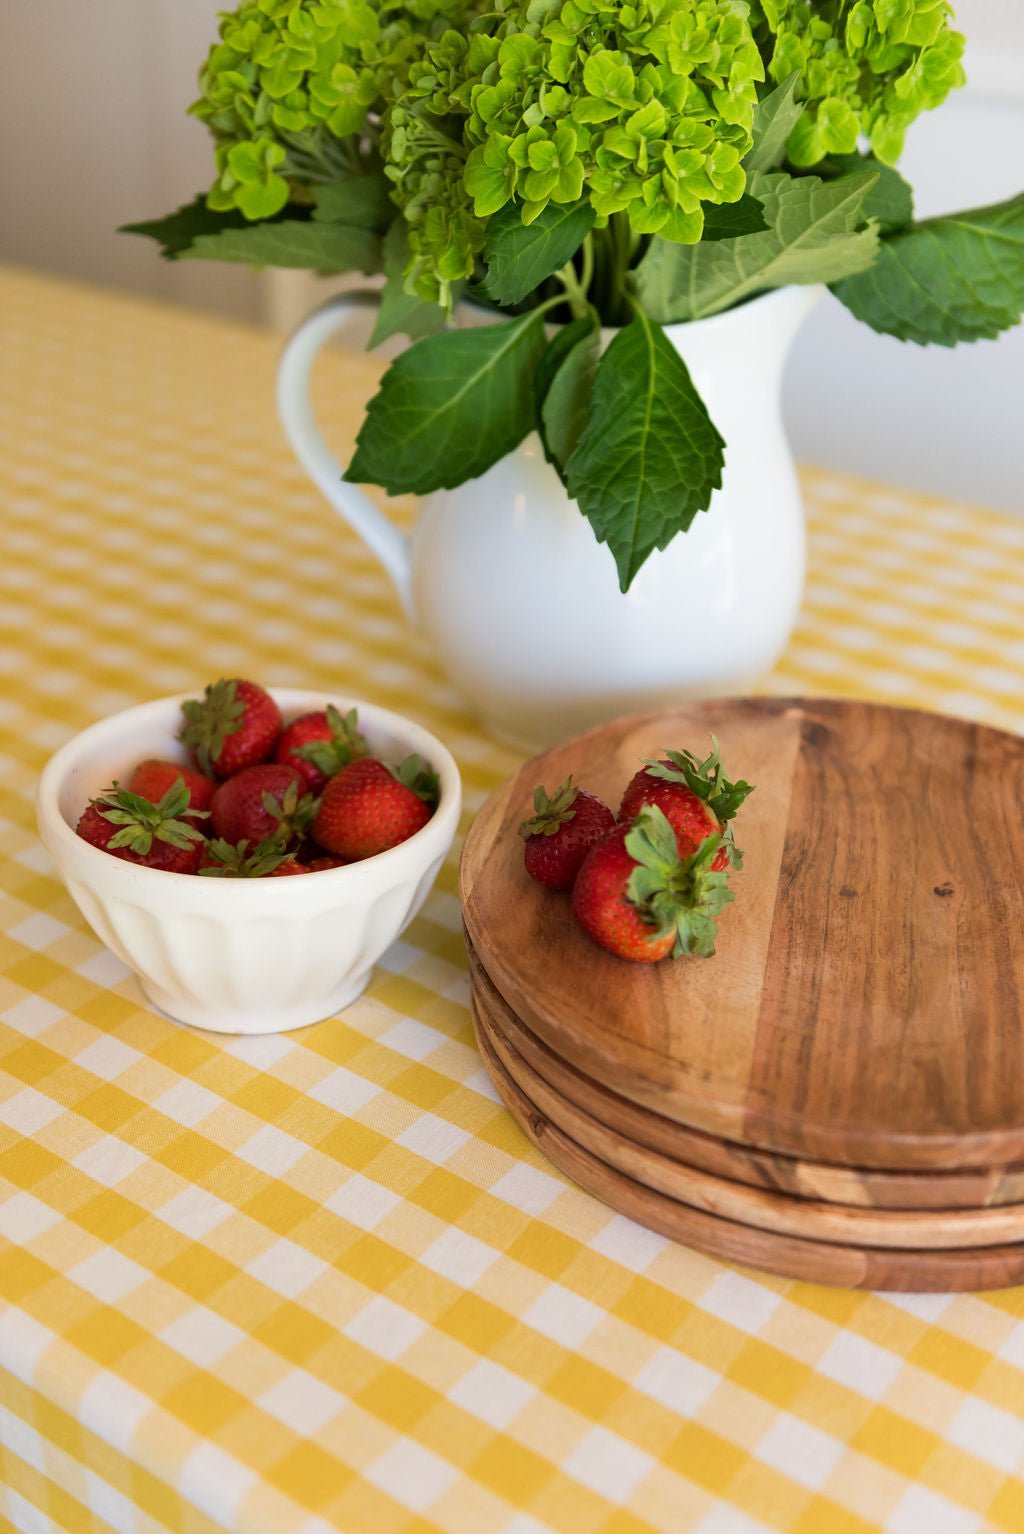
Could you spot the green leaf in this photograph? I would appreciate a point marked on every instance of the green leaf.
(775, 117)
(813, 236)
(650, 457)
(565, 409)
(950, 279)
(402, 313)
(177, 231)
(361, 200)
(562, 387)
(890, 202)
(293, 242)
(729, 220)
(520, 257)
(450, 407)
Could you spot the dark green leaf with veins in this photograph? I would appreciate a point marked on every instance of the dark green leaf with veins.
(949, 279)
(519, 257)
(177, 231)
(293, 242)
(402, 313)
(450, 407)
(360, 200)
(890, 202)
(142, 822)
(650, 456)
(775, 117)
(814, 234)
(673, 893)
(563, 385)
(728, 220)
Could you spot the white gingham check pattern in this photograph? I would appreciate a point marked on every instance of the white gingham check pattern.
(320, 1282)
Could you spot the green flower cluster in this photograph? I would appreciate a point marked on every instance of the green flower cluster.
(291, 86)
(865, 68)
(645, 108)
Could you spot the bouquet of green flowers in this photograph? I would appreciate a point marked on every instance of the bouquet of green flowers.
(579, 164)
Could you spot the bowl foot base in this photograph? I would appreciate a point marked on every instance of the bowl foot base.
(283, 1019)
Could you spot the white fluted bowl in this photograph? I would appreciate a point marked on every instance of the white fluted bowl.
(241, 955)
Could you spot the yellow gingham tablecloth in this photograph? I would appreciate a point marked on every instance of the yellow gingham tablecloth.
(320, 1282)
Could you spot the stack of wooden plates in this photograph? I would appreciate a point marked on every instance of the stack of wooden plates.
(837, 1095)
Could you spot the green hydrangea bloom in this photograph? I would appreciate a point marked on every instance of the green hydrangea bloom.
(291, 87)
(644, 108)
(867, 68)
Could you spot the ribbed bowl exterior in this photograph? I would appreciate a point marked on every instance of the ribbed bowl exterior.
(241, 956)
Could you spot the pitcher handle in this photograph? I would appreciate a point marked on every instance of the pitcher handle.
(296, 412)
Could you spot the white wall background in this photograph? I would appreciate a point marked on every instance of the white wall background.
(945, 420)
(92, 118)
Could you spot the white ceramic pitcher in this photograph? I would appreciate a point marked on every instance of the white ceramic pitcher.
(522, 603)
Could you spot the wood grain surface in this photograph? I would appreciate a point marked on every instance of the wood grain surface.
(812, 1219)
(865, 1003)
(850, 1267)
(863, 1187)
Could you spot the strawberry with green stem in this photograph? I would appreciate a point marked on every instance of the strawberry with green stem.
(696, 797)
(561, 831)
(319, 744)
(261, 803)
(135, 830)
(641, 899)
(369, 806)
(234, 725)
(245, 860)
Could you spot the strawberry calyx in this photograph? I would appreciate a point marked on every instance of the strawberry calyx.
(141, 821)
(293, 814)
(707, 780)
(550, 812)
(416, 773)
(236, 861)
(209, 720)
(347, 743)
(674, 894)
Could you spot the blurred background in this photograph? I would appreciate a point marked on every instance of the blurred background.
(93, 102)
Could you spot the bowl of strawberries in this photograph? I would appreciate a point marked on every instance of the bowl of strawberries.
(250, 854)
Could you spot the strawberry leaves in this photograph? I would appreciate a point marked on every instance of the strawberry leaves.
(142, 822)
(347, 742)
(550, 813)
(416, 773)
(672, 893)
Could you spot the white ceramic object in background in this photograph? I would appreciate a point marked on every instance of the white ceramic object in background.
(521, 602)
(241, 955)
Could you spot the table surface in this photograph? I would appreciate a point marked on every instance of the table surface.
(320, 1281)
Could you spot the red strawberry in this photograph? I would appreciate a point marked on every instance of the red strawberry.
(245, 860)
(368, 807)
(234, 725)
(561, 832)
(696, 798)
(318, 865)
(319, 744)
(137, 831)
(260, 803)
(152, 778)
(636, 896)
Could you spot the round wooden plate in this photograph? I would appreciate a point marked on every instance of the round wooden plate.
(812, 1219)
(866, 1004)
(979, 1268)
(863, 1187)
